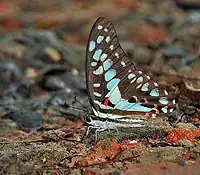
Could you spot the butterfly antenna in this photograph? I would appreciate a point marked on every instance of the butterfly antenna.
(85, 109)
(69, 106)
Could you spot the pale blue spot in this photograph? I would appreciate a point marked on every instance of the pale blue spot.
(125, 105)
(97, 54)
(107, 64)
(99, 71)
(164, 109)
(103, 57)
(154, 92)
(92, 46)
(163, 100)
(100, 27)
(139, 79)
(145, 87)
(100, 39)
(114, 95)
(140, 108)
(93, 64)
(110, 74)
(114, 82)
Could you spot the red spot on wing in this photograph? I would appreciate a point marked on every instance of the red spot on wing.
(106, 102)
(148, 115)
(145, 100)
(156, 108)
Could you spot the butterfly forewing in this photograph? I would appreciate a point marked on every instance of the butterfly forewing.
(114, 83)
(104, 56)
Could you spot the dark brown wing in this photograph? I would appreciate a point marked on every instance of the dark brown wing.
(113, 81)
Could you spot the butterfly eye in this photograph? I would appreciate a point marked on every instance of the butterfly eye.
(88, 119)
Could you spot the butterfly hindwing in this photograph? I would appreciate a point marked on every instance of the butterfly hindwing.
(114, 83)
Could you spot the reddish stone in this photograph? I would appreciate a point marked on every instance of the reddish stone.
(128, 144)
(128, 4)
(178, 134)
(186, 156)
(103, 151)
(148, 34)
(3, 8)
(11, 23)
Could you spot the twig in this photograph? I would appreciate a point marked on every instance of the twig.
(108, 161)
(23, 141)
(66, 139)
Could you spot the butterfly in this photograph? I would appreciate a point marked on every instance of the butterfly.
(119, 93)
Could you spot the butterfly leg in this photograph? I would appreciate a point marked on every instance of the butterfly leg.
(117, 131)
(112, 128)
(109, 129)
(107, 126)
(88, 130)
(98, 130)
(91, 127)
(179, 117)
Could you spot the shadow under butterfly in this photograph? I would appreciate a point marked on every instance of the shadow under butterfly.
(119, 93)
